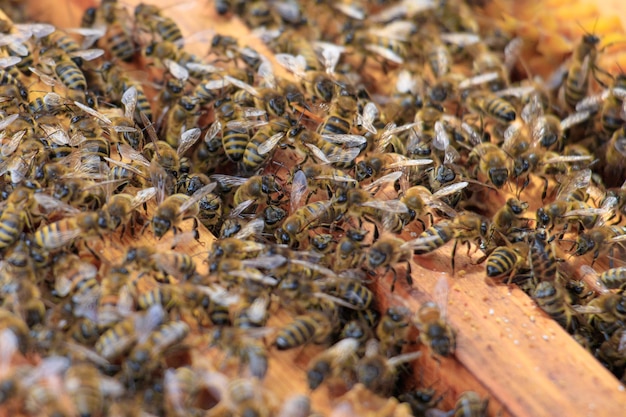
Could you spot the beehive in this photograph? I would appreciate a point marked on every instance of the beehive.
(507, 348)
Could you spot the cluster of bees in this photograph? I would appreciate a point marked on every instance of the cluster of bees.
(306, 181)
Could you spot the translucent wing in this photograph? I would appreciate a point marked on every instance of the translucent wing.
(298, 190)
(267, 146)
(197, 196)
(187, 139)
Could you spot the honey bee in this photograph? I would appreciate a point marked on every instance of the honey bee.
(75, 276)
(421, 400)
(341, 115)
(88, 388)
(492, 162)
(15, 216)
(377, 372)
(612, 278)
(610, 103)
(583, 62)
(605, 313)
(305, 217)
(431, 322)
(600, 240)
(150, 17)
(251, 189)
(611, 351)
(470, 404)
(388, 42)
(328, 149)
(230, 120)
(68, 73)
(177, 208)
(244, 397)
(552, 299)
(117, 83)
(492, 106)
(507, 261)
(392, 330)
(263, 142)
(119, 339)
(314, 327)
(349, 252)
(418, 199)
(335, 360)
(265, 98)
(243, 345)
(509, 218)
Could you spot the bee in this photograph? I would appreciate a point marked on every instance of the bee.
(509, 218)
(507, 261)
(169, 50)
(120, 338)
(118, 35)
(392, 330)
(349, 252)
(245, 397)
(542, 258)
(117, 83)
(421, 400)
(264, 98)
(181, 117)
(432, 325)
(251, 189)
(492, 106)
(15, 216)
(606, 312)
(177, 208)
(75, 276)
(388, 42)
(576, 83)
(388, 251)
(305, 217)
(242, 344)
(68, 73)
(373, 165)
(611, 351)
(466, 226)
(12, 323)
(263, 142)
(612, 278)
(470, 404)
(328, 149)
(379, 373)
(600, 240)
(341, 115)
(551, 298)
(337, 359)
(314, 327)
(225, 6)
(230, 120)
(492, 162)
(418, 199)
(88, 388)
(144, 356)
(150, 17)
(610, 103)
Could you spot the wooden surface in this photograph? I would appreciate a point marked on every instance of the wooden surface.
(508, 348)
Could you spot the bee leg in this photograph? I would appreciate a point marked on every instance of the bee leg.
(395, 277)
(409, 277)
(544, 191)
(421, 223)
(453, 254)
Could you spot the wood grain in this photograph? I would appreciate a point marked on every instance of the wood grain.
(508, 349)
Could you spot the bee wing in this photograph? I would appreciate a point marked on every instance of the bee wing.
(267, 146)
(147, 322)
(403, 358)
(252, 228)
(366, 120)
(266, 262)
(574, 119)
(93, 112)
(37, 30)
(406, 163)
(51, 204)
(385, 179)
(129, 153)
(299, 187)
(254, 275)
(242, 85)
(441, 140)
(197, 196)
(59, 238)
(45, 78)
(385, 53)
(461, 39)
(517, 91)
(129, 100)
(12, 144)
(88, 54)
(315, 267)
(330, 54)
(178, 71)
(8, 347)
(266, 72)
(512, 52)
(406, 82)
(419, 243)
(294, 64)
(587, 309)
(593, 102)
(216, 84)
(478, 79)
(7, 121)
(566, 159)
(448, 189)
(173, 391)
(390, 206)
(229, 180)
(318, 154)
(187, 139)
(9, 61)
(56, 133)
(250, 112)
(351, 10)
(440, 295)
(143, 196)
(350, 141)
(50, 366)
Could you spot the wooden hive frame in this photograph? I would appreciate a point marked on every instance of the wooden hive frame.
(508, 349)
